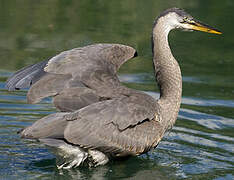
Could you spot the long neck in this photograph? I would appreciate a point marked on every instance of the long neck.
(167, 70)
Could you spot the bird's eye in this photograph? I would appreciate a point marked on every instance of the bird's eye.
(187, 20)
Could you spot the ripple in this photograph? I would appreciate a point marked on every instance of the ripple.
(208, 120)
(197, 101)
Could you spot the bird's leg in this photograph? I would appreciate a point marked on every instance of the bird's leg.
(98, 158)
(71, 156)
(73, 161)
(62, 165)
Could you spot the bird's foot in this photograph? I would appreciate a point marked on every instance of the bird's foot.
(71, 156)
(97, 158)
(70, 164)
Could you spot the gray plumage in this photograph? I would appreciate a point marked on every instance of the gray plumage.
(108, 119)
(51, 126)
(81, 72)
(27, 76)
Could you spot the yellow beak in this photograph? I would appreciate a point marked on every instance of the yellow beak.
(203, 27)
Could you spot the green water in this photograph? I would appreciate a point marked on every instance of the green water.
(201, 144)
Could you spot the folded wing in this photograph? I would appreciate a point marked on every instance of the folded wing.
(120, 126)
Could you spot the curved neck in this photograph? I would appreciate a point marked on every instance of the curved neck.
(167, 70)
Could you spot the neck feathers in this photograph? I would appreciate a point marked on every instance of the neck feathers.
(167, 70)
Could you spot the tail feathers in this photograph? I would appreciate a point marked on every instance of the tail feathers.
(51, 126)
(27, 76)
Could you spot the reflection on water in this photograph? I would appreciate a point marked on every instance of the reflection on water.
(200, 145)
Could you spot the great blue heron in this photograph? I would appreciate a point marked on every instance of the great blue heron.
(107, 119)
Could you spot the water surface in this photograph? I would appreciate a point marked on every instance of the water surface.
(200, 145)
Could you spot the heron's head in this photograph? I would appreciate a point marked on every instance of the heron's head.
(176, 18)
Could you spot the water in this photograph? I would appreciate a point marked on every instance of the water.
(200, 145)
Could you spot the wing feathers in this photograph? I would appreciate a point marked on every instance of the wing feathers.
(49, 85)
(75, 98)
(26, 76)
(112, 126)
